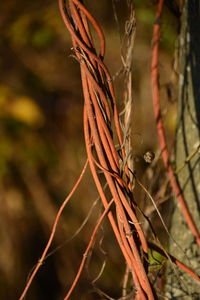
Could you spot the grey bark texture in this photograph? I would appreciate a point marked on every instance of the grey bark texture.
(181, 286)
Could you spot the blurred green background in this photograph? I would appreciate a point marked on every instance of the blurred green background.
(42, 145)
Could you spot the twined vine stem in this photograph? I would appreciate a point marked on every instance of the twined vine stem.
(102, 129)
(101, 124)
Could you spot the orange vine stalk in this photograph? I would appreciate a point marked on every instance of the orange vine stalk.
(41, 260)
(160, 129)
(100, 111)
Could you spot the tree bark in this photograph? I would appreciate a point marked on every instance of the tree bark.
(187, 141)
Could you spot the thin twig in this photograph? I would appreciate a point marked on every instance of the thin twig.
(42, 258)
(78, 274)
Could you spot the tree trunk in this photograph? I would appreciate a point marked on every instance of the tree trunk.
(187, 141)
